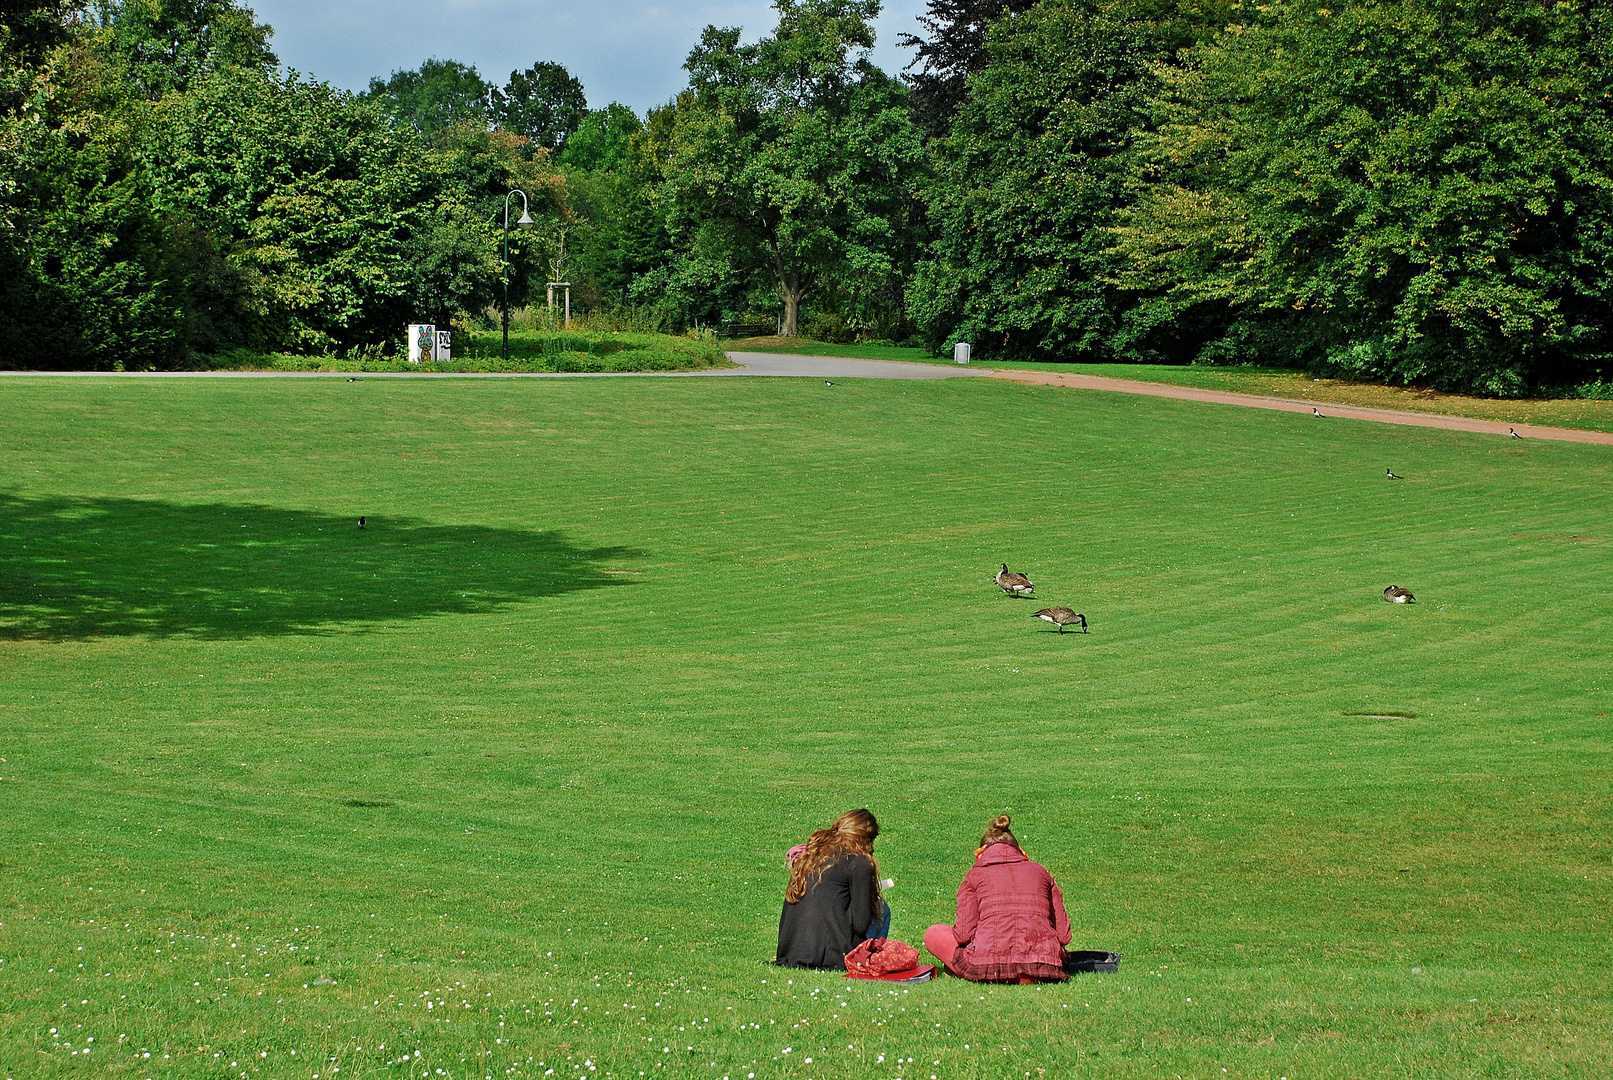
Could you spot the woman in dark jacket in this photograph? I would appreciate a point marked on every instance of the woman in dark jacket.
(1011, 924)
(832, 902)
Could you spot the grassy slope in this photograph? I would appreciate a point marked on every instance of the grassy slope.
(1275, 382)
(533, 743)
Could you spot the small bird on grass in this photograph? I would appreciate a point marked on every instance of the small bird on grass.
(1014, 584)
(1062, 617)
(1390, 473)
(1396, 595)
(361, 521)
(1514, 433)
(352, 380)
(1315, 411)
(826, 382)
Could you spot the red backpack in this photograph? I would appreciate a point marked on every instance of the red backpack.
(881, 956)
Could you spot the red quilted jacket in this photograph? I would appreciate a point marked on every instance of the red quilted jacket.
(1011, 919)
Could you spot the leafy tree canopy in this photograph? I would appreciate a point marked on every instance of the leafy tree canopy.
(545, 103)
(954, 50)
(169, 44)
(604, 138)
(793, 158)
(439, 95)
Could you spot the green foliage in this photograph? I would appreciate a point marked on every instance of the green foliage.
(439, 96)
(1418, 191)
(168, 45)
(1036, 167)
(544, 103)
(603, 139)
(340, 227)
(86, 278)
(792, 160)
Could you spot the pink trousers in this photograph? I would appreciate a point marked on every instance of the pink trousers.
(942, 942)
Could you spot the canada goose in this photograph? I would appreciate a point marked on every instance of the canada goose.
(1396, 595)
(1514, 432)
(361, 521)
(1062, 617)
(1390, 473)
(1014, 584)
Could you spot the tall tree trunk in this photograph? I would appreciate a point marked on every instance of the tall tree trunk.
(789, 291)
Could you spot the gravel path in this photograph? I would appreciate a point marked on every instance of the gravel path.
(838, 367)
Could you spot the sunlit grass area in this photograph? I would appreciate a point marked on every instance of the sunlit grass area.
(500, 785)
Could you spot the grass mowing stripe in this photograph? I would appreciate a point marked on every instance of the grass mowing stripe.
(592, 774)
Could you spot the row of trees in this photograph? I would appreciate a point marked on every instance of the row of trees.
(1406, 190)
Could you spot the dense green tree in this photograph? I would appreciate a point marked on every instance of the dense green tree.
(1037, 166)
(438, 96)
(545, 103)
(324, 212)
(85, 274)
(168, 44)
(1411, 190)
(603, 140)
(954, 49)
(793, 158)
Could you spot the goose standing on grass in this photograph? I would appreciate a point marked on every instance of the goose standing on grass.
(1062, 617)
(1014, 584)
(1396, 595)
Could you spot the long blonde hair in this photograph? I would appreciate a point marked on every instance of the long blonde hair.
(852, 833)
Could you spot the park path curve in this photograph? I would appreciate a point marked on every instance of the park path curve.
(1295, 405)
(840, 367)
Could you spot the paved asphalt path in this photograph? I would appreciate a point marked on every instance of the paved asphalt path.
(838, 367)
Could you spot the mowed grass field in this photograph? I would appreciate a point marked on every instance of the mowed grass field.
(500, 785)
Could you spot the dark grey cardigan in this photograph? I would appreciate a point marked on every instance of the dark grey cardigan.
(818, 930)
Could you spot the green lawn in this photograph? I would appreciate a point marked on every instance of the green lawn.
(516, 764)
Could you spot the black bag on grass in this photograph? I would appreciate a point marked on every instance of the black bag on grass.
(1076, 962)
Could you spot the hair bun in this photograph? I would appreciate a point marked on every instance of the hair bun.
(1001, 821)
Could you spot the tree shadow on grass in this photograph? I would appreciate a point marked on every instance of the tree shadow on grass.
(75, 568)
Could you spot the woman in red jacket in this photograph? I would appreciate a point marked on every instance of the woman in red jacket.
(1011, 925)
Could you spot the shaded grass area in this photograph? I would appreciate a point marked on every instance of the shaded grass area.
(481, 351)
(539, 825)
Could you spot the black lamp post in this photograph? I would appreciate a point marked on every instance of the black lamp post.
(525, 222)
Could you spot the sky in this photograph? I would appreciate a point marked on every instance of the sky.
(630, 51)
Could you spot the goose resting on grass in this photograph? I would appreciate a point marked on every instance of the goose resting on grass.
(1062, 617)
(1014, 584)
(1396, 595)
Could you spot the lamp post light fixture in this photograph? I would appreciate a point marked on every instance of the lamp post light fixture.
(524, 222)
